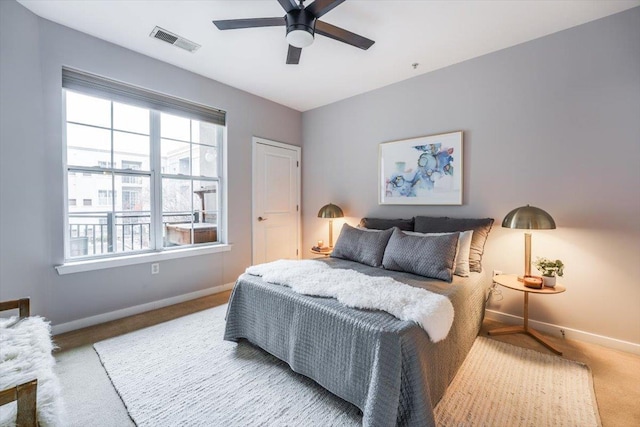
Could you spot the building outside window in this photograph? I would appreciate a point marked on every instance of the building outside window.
(131, 165)
(104, 164)
(114, 145)
(131, 198)
(105, 197)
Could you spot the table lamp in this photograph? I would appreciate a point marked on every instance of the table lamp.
(529, 218)
(330, 211)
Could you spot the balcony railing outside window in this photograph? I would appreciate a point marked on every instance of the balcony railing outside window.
(108, 233)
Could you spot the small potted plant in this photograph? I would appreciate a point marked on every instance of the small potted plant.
(549, 269)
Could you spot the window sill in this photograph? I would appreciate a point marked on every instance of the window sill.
(121, 261)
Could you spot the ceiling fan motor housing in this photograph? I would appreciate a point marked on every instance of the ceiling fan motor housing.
(301, 27)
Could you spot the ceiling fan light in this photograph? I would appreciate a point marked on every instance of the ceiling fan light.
(299, 38)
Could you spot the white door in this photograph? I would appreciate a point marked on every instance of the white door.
(276, 201)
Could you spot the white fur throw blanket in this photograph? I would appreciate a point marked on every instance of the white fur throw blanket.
(433, 312)
(25, 354)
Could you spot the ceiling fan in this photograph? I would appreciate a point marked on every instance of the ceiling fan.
(302, 24)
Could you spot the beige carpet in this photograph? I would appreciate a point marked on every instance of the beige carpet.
(503, 385)
(182, 373)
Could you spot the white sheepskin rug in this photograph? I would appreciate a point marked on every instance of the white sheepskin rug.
(25, 354)
(433, 312)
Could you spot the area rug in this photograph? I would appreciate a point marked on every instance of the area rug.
(503, 385)
(182, 373)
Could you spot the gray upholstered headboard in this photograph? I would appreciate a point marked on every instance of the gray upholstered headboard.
(427, 224)
(383, 224)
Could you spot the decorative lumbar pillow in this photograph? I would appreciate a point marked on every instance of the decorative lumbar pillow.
(385, 224)
(462, 259)
(361, 246)
(480, 227)
(462, 256)
(429, 256)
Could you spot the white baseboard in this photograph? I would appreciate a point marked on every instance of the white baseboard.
(569, 333)
(130, 311)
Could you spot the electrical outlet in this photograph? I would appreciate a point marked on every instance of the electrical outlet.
(497, 272)
(155, 268)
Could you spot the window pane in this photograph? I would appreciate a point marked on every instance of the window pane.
(89, 234)
(88, 110)
(205, 160)
(177, 197)
(205, 198)
(203, 132)
(175, 127)
(133, 193)
(86, 190)
(131, 147)
(177, 211)
(132, 232)
(87, 228)
(87, 146)
(175, 157)
(205, 203)
(129, 118)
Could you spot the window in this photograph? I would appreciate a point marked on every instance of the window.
(136, 166)
(131, 198)
(154, 163)
(105, 197)
(104, 164)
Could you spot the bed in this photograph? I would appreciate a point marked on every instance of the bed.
(389, 368)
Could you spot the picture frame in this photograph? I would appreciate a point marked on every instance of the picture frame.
(427, 170)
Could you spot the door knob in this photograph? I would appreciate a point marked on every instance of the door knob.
(262, 219)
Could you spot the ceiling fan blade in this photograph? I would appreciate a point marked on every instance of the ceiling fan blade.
(293, 55)
(234, 24)
(343, 35)
(320, 7)
(288, 5)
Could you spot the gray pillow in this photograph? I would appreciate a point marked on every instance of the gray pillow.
(361, 246)
(429, 256)
(480, 227)
(384, 224)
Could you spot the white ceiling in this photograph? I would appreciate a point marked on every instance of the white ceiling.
(434, 34)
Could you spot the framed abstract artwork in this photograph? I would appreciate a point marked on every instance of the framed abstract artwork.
(421, 171)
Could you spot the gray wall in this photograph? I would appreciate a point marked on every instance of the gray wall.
(554, 122)
(32, 52)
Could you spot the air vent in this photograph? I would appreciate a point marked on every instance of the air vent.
(174, 39)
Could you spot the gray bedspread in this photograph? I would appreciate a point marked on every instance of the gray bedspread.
(387, 367)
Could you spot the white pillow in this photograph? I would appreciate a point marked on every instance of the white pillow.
(462, 254)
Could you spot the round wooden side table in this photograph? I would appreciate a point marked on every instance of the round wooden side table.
(511, 281)
(325, 253)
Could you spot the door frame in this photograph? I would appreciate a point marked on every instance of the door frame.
(298, 150)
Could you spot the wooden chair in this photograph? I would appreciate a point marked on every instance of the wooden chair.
(21, 304)
(25, 393)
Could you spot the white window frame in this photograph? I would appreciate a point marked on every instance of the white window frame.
(159, 252)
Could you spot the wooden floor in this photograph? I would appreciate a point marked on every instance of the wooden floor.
(616, 374)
